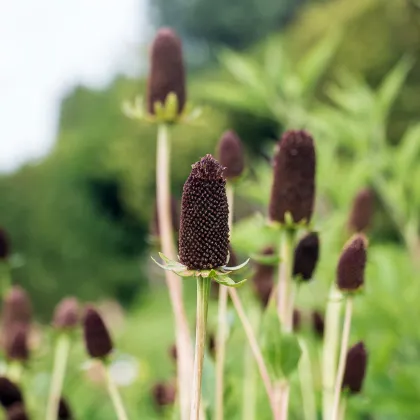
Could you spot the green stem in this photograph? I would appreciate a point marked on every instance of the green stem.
(343, 355)
(114, 395)
(62, 350)
(331, 349)
(222, 327)
(203, 288)
(182, 332)
(307, 383)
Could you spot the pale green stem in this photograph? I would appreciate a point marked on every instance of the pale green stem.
(343, 355)
(307, 383)
(331, 349)
(114, 395)
(253, 343)
(182, 332)
(285, 305)
(222, 327)
(343, 408)
(203, 287)
(62, 349)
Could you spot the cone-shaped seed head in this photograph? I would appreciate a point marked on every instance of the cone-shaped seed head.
(17, 307)
(163, 394)
(66, 315)
(318, 324)
(351, 265)
(167, 72)
(362, 211)
(17, 412)
(97, 339)
(64, 412)
(4, 245)
(355, 370)
(263, 279)
(155, 228)
(9, 393)
(306, 256)
(204, 229)
(231, 155)
(16, 342)
(293, 187)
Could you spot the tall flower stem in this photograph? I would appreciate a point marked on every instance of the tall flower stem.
(342, 361)
(114, 395)
(62, 349)
(285, 306)
(331, 349)
(183, 337)
(307, 383)
(253, 342)
(203, 288)
(221, 326)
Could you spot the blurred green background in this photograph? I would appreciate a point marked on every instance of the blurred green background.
(348, 71)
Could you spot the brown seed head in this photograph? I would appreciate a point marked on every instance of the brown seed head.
(204, 228)
(355, 369)
(231, 155)
(263, 279)
(16, 342)
(17, 412)
(351, 265)
(64, 412)
(293, 187)
(4, 245)
(362, 211)
(10, 393)
(167, 74)
(318, 324)
(306, 256)
(97, 339)
(163, 394)
(66, 315)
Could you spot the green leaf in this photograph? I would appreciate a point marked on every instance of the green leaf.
(227, 281)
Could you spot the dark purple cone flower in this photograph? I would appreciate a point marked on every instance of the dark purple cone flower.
(97, 339)
(306, 256)
(66, 315)
(355, 369)
(231, 155)
(362, 211)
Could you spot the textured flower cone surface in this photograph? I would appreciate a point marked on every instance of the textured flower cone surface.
(167, 73)
(306, 256)
(318, 324)
(263, 279)
(204, 229)
(16, 342)
(362, 211)
(97, 339)
(17, 412)
(9, 393)
(64, 412)
(351, 265)
(355, 369)
(293, 188)
(4, 245)
(66, 315)
(231, 155)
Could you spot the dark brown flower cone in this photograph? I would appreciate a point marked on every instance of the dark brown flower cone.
(67, 314)
(204, 229)
(10, 393)
(351, 265)
(4, 245)
(155, 228)
(306, 257)
(97, 339)
(293, 188)
(64, 412)
(163, 394)
(362, 211)
(231, 155)
(17, 307)
(16, 342)
(355, 369)
(167, 73)
(318, 324)
(17, 412)
(263, 279)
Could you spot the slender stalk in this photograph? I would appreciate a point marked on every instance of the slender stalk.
(343, 354)
(62, 349)
(203, 288)
(183, 337)
(343, 407)
(331, 349)
(253, 342)
(114, 395)
(307, 383)
(221, 327)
